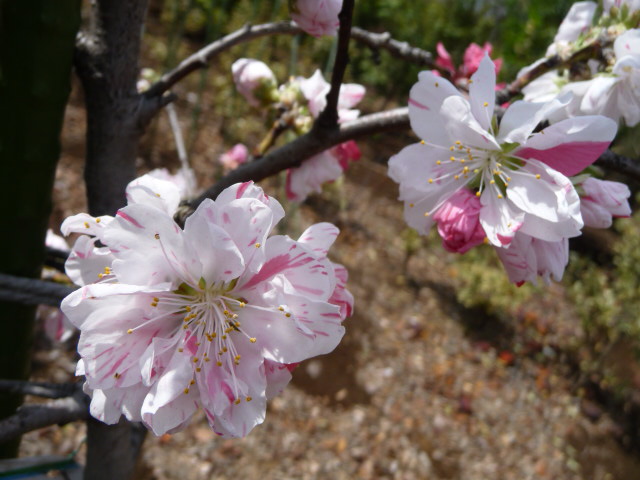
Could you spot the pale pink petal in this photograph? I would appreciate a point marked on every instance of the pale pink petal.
(576, 22)
(154, 192)
(571, 145)
(425, 103)
(319, 237)
(519, 260)
(499, 219)
(312, 174)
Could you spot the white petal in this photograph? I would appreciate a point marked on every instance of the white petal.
(482, 92)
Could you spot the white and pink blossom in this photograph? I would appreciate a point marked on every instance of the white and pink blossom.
(528, 257)
(602, 201)
(617, 94)
(328, 165)
(234, 157)
(316, 17)
(254, 80)
(213, 315)
(520, 177)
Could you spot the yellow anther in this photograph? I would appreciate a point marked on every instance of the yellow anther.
(248, 399)
(158, 195)
(129, 331)
(453, 159)
(181, 349)
(438, 162)
(462, 160)
(458, 142)
(287, 314)
(237, 401)
(492, 182)
(281, 309)
(206, 360)
(499, 195)
(257, 245)
(157, 236)
(198, 344)
(506, 184)
(437, 84)
(192, 382)
(237, 357)
(456, 177)
(478, 194)
(465, 169)
(452, 148)
(224, 349)
(411, 205)
(242, 304)
(430, 180)
(253, 340)
(198, 369)
(486, 240)
(195, 359)
(186, 390)
(538, 176)
(214, 335)
(116, 375)
(470, 81)
(100, 275)
(184, 327)
(421, 142)
(475, 170)
(485, 104)
(219, 363)
(97, 220)
(508, 179)
(187, 308)
(86, 224)
(224, 337)
(154, 304)
(426, 214)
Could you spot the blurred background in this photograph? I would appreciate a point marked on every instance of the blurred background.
(447, 370)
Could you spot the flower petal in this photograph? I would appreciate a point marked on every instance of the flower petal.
(571, 145)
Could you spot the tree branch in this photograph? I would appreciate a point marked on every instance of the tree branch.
(201, 58)
(401, 50)
(32, 417)
(328, 118)
(40, 389)
(32, 291)
(593, 50)
(312, 143)
(627, 166)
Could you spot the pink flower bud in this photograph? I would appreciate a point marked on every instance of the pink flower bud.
(602, 201)
(235, 156)
(317, 17)
(459, 222)
(253, 79)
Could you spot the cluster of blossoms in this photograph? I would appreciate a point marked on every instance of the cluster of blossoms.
(214, 315)
(608, 85)
(303, 99)
(503, 183)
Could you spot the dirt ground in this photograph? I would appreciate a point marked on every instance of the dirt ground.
(420, 387)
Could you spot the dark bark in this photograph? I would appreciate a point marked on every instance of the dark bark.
(107, 64)
(36, 48)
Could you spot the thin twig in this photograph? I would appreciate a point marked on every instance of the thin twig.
(202, 57)
(39, 389)
(31, 291)
(400, 50)
(33, 417)
(618, 163)
(328, 118)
